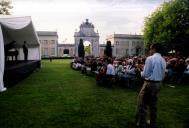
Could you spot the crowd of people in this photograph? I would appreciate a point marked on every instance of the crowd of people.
(126, 70)
(151, 70)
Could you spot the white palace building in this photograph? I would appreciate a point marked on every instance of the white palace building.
(122, 44)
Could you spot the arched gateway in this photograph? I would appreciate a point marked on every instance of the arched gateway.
(87, 33)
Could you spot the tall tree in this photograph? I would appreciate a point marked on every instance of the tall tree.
(81, 51)
(5, 6)
(169, 25)
(108, 49)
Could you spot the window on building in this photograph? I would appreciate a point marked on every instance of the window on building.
(126, 51)
(45, 42)
(137, 43)
(133, 43)
(45, 52)
(52, 51)
(52, 42)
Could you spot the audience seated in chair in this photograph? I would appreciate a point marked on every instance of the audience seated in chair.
(110, 73)
(130, 73)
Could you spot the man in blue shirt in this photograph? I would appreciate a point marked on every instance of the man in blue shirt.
(153, 74)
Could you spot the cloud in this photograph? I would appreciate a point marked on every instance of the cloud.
(108, 16)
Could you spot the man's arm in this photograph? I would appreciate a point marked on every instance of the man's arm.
(147, 68)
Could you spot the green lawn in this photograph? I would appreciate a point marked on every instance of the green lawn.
(59, 97)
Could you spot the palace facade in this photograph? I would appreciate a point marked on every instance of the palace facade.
(126, 44)
(122, 44)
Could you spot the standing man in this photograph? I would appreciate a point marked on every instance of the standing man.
(25, 50)
(153, 74)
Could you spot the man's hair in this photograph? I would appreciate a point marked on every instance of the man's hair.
(157, 47)
(109, 60)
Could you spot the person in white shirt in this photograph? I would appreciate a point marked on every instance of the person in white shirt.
(120, 69)
(130, 69)
(110, 68)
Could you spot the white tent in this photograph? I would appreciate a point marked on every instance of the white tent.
(19, 29)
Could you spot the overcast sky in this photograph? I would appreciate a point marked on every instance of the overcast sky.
(65, 16)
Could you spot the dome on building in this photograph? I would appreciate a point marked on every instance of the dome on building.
(86, 24)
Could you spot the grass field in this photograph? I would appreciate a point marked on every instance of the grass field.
(59, 97)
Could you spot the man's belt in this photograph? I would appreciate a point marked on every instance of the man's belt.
(152, 81)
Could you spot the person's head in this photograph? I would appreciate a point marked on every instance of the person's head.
(119, 63)
(24, 42)
(109, 60)
(129, 61)
(156, 47)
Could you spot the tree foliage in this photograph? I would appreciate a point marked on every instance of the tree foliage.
(108, 49)
(81, 51)
(88, 49)
(169, 25)
(5, 6)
